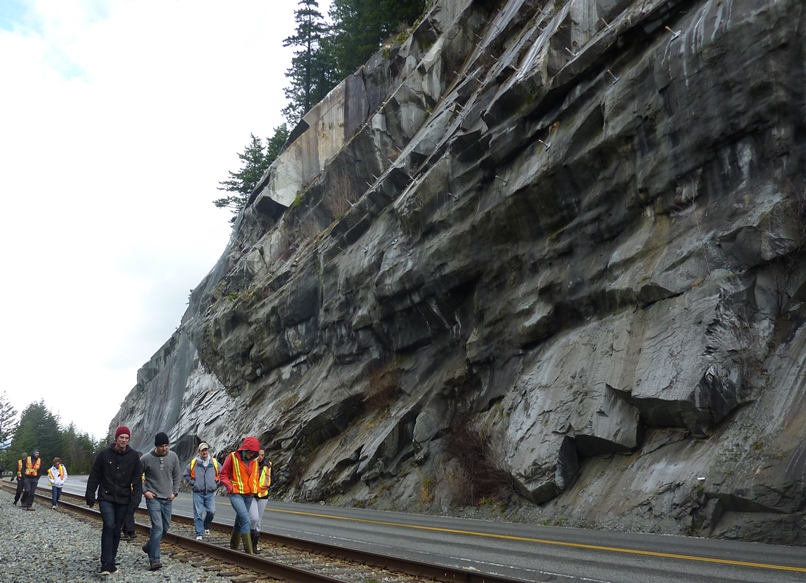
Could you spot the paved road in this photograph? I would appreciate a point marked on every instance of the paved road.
(528, 552)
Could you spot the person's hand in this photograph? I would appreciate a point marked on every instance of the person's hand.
(90, 501)
(147, 495)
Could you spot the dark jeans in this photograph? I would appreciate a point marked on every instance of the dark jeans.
(19, 491)
(113, 516)
(29, 485)
(128, 523)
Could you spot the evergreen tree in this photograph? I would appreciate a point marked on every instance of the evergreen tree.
(256, 159)
(312, 68)
(360, 26)
(79, 450)
(38, 428)
(8, 425)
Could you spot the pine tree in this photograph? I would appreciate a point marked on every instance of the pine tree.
(311, 74)
(38, 428)
(256, 160)
(359, 27)
(8, 425)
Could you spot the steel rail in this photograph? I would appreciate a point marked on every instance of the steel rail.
(410, 567)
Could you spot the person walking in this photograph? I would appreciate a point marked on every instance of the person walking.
(57, 475)
(239, 475)
(30, 477)
(203, 476)
(162, 477)
(20, 464)
(129, 531)
(116, 475)
(261, 497)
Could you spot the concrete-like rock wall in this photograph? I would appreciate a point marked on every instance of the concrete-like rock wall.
(574, 229)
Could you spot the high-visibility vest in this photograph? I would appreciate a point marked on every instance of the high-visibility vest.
(61, 472)
(193, 468)
(32, 469)
(264, 481)
(243, 482)
(19, 468)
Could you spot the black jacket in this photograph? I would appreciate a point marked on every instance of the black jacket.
(117, 476)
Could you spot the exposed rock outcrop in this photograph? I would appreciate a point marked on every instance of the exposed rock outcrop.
(572, 229)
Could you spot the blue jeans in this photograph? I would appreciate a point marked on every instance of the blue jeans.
(240, 504)
(159, 511)
(202, 502)
(55, 494)
(112, 514)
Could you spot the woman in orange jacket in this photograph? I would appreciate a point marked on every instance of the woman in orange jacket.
(239, 474)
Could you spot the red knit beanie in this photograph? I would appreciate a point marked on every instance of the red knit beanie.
(122, 429)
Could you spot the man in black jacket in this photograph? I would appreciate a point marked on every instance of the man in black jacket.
(117, 477)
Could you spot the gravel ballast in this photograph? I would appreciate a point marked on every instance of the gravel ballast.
(51, 545)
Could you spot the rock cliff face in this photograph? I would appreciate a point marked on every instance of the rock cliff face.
(547, 253)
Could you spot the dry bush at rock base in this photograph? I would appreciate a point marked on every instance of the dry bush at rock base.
(478, 476)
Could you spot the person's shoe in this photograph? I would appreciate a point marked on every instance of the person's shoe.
(30, 508)
(154, 566)
(108, 569)
(207, 531)
(199, 537)
(131, 535)
(53, 508)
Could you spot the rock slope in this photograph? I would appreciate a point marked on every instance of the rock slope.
(541, 253)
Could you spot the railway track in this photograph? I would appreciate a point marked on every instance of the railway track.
(282, 558)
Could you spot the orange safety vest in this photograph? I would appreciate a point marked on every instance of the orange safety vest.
(32, 469)
(243, 481)
(193, 467)
(264, 481)
(19, 468)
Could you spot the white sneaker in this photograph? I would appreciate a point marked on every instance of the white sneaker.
(207, 531)
(199, 537)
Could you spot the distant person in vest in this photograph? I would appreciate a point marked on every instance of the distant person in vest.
(57, 474)
(20, 464)
(239, 475)
(261, 497)
(115, 474)
(162, 477)
(30, 477)
(202, 474)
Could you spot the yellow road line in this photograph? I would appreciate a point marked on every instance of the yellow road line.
(552, 542)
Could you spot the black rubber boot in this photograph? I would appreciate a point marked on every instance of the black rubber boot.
(255, 539)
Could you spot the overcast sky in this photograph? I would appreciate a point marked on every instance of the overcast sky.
(118, 119)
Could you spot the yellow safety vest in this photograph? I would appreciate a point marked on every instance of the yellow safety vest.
(264, 481)
(193, 467)
(61, 472)
(19, 468)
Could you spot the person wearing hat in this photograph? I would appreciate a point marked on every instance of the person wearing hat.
(239, 474)
(162, 477)
(30, 477)
(116, 478)
(203, 476)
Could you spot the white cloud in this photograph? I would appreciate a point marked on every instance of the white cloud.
(119, 119)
